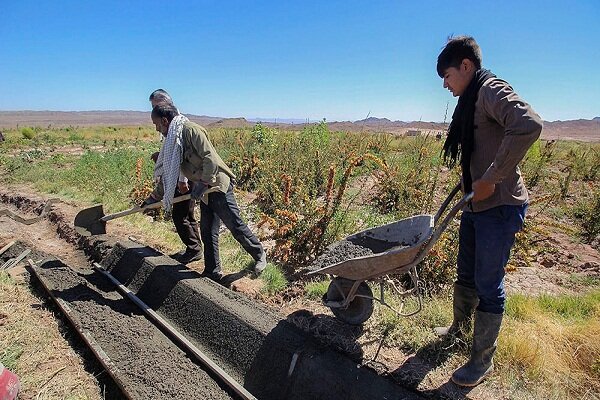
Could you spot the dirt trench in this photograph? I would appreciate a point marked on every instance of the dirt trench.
(261, 349)
(145, 363)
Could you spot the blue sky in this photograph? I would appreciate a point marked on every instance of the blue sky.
(339, 60)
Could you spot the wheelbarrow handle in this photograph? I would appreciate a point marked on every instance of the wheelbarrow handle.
(440, 228)
(447, 202)
(137, 209)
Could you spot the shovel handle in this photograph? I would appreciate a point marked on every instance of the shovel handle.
(137, 209)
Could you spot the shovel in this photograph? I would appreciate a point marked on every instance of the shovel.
(92, 221)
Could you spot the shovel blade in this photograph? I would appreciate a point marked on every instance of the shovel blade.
(88, 221)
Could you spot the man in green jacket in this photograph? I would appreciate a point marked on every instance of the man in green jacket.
(183, 212)
(491, 130)
(189, 151)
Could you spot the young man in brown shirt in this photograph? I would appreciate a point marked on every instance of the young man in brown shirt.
(491, 130)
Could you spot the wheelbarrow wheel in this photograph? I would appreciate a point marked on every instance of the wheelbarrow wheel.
(360, 308)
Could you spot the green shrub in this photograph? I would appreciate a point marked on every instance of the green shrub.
(587, 213)
(28, 133)
(76, 137)
(536, 160)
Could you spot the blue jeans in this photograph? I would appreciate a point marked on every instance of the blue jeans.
(223, 207)
(485, 241)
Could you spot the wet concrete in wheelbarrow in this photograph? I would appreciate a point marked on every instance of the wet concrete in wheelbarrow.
(269, 355)
(344, 250)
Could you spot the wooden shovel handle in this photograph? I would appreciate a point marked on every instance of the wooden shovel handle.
(137, 209)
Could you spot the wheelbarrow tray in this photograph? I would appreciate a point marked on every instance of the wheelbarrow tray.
(395, 247)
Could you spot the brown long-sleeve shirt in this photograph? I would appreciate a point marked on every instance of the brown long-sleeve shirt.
(505, 127)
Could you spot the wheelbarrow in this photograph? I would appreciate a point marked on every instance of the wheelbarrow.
(397, 249)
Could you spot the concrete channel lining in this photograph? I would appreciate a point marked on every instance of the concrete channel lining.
(144, 362)
(271, 357)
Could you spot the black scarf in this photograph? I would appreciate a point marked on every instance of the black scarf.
(460, 140)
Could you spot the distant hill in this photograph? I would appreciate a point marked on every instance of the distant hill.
(581, 129)
(12, 119)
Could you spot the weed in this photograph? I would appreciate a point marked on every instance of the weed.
(587, 213)
(536, 160)
(76, 137)
(10, 356)
(142, 185)
(411, 333)
(28, 133)
(584, 280)
(316, 290)
(274, 279)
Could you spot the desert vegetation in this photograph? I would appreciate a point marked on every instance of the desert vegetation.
(305, 189)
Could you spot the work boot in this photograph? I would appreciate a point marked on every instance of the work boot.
(464, 302)
(175, 256)
(213, 276)
(260, 264)
(189, 256)
(485, 339)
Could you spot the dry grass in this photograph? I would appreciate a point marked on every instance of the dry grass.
(33, 348)
(551, 346)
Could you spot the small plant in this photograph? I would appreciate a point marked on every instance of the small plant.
(262, 134)
(316, 290)
(438, 269)
(76, 137)
(9, 356)
(142, 187)
(536, 160)
(274, 280)
(408, 187)
(28, 133)
(587, 213)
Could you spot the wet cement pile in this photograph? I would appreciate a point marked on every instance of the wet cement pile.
(145, 362)
(347, 249)
(339, 252)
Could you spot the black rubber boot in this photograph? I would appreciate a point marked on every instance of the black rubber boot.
(465, 300)
(485, 339)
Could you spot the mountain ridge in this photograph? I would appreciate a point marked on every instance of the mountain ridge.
(579, 129)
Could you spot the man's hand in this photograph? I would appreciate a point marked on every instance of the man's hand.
(482, 190)
(198, 190)
(154, 156)
(183, 187)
